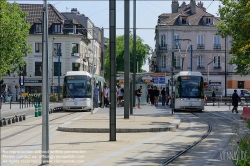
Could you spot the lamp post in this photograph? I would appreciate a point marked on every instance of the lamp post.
(208, 70)
(59, 72)
(52, 64)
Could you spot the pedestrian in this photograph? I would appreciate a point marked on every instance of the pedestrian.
(156, 95)
(205, 100)
(139, 93)
(120, 95)
(163, 97)
(241, 93)
(148, 94)
(235, 100)
(151, 94)
(96, 92)
(213, 97)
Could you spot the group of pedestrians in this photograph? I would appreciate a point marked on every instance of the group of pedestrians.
(153, 96)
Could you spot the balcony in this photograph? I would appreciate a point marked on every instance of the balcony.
(200, 67)
(177, 46)
(217, 68)
(177, 67)
(200, 46)
(163, 47)
(37, 53)
(217, 46)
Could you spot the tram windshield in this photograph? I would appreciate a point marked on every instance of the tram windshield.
(77, 87)
(189, 87)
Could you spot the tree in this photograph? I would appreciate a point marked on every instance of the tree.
(14, 31)
(235, 18)
(142, 52)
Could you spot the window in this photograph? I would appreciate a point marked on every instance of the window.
(217, 62)
(57, 48)
(240, 85)
(74, 29)
(177, 42)
(22, 70)
(163, 40)
(56, 68)
(184, 20)
(200, 62)
(200, 41)
(177, 62)
(75, 66)
(163, 62)
(208, 21)
(74, 48)
(217, 44)
(38, 28)
(38, 68)
(57, 28)
(38, 47)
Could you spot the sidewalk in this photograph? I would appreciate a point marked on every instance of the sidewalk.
(147, 119)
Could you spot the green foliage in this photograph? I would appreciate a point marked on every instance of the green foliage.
(142, 51)
(14, 31)
(235, 18)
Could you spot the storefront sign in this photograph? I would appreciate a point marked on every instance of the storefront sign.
(33, 81)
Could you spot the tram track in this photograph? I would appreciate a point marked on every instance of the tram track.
(227, 120)
(32, 127)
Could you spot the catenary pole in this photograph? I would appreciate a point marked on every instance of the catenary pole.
(45, 88)
(112, 52)
(126, 59)
(134, 52)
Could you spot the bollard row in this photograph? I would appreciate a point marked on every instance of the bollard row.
(5, 121)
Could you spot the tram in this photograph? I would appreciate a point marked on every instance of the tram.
(188, 91)
(78, 89)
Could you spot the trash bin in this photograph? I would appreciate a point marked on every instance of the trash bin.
(39, 109)
(36, 110)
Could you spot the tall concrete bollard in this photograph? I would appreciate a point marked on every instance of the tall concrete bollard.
(39, 110)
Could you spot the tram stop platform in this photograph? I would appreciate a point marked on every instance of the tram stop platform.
(147, 119)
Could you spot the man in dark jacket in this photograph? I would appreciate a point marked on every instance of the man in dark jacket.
(163, 97)
(235, 100)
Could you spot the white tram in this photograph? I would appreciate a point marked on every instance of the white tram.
(188, 91)
(78, 89)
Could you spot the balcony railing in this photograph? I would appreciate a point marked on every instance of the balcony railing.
(200, 46)
(217, 67)
(217, 46)
(163, 47)
(177, 46)
(75, 54)
(200, 67)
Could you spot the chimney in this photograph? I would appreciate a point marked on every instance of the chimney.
(74, 10)
(200, 5)
(192, 6)
(175, 6)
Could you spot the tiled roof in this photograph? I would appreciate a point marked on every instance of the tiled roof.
(35, 13)
(193, 19)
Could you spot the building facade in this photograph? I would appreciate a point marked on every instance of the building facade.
(191, 33)
(70, 48)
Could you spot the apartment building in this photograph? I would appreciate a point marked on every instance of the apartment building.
(69, 45)
(196, 46)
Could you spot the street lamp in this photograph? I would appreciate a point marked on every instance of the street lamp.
(52, 63)
(208, 70)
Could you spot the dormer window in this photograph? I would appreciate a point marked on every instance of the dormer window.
(184, 21)
(57, 28)
(74, 29)
(38, 28)
(208, 21)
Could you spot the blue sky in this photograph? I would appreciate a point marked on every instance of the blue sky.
(146, 15)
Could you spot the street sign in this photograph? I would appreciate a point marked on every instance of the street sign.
(160, 80)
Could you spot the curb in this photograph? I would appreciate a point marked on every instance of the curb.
(170, 127)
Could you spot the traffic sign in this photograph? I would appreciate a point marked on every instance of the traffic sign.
(159, 80)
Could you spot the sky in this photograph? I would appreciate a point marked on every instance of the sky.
(147, 13)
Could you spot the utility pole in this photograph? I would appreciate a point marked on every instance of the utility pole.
(191, 57)
(59, 72)
(225, 66)
(102, 69)
(52, 63)
(126, 58)
(45, 87)
(134, 46)
(112, 52)
(172, 73)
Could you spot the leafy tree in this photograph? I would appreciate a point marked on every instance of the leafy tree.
(14, 31)
(235, 18)
(142, 52)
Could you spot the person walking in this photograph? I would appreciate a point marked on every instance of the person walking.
(120, 95)
(96, 93)
(163, 97)
(151, 94)
(156, 95)
(235, 100)
(148, 94)
(213, 97)
(139, 93)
